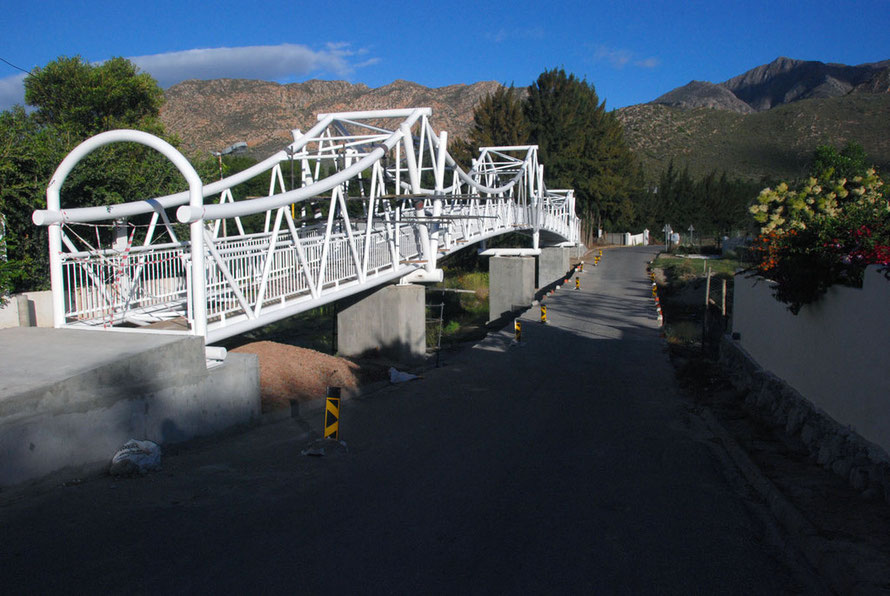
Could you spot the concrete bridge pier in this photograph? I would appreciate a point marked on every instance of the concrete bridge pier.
(511, 285)
(553, 263)
(389, 321)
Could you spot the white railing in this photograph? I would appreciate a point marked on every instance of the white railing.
(371, 205)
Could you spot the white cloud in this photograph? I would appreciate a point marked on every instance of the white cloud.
(651, 62)
(498, 36)
(502, 35)
(285, 61)
(619, 58)
(273, 63)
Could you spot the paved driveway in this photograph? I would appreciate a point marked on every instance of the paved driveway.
(566, 465)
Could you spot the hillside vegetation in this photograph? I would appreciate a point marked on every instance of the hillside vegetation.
(775, 144)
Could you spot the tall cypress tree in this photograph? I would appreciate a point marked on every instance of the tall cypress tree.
(582, 146)
(499, 120)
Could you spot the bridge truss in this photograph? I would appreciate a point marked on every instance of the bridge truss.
(377, 198)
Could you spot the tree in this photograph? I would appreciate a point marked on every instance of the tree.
(581, 145)
(75, 100)
(84, 99)
(828, 163)
(499, 120)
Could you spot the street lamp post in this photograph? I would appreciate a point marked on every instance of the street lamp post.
(231, 149)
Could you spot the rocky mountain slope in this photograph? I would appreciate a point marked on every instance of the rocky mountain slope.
(211, 115)
(782, 81)
(702, 94)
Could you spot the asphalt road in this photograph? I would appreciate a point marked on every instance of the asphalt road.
(568, 464)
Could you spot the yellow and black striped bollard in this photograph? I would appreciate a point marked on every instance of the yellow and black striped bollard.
(544, 314)
(517, 329)
(332, 414)
(577, 283)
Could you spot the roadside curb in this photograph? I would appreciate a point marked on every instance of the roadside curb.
(840, 571)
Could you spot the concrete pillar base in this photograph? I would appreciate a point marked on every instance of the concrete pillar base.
(511, 285)
(390, 321)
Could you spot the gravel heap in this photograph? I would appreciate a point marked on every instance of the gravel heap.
(292, 373)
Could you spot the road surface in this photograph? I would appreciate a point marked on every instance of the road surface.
(569, 464)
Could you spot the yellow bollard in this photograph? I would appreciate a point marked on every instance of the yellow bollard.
(517, 328)
(332, 414)
(577, 283)
(543, 314)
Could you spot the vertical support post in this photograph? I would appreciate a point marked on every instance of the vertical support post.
(437, 201)
(544, 314)
(332, 414)
(55, 273)
(414, 176)
(704, 330)
(708, 289)
(199, 289)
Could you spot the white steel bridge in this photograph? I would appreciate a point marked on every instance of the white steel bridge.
(379, 199)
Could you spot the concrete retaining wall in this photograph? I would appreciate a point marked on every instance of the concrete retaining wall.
(83, 409)
(834, 352)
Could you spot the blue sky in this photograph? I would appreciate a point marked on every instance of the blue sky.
(631, 51)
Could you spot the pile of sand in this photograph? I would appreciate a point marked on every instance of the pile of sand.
(291, 373)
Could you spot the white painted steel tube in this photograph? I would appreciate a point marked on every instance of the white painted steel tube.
(373, 114)
(42, 217)
(53, 204)
(226, 210)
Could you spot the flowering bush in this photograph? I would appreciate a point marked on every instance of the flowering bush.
(821, 234)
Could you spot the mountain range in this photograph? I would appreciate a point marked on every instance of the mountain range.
(211, 115)
(762, 124)
(780, 82)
